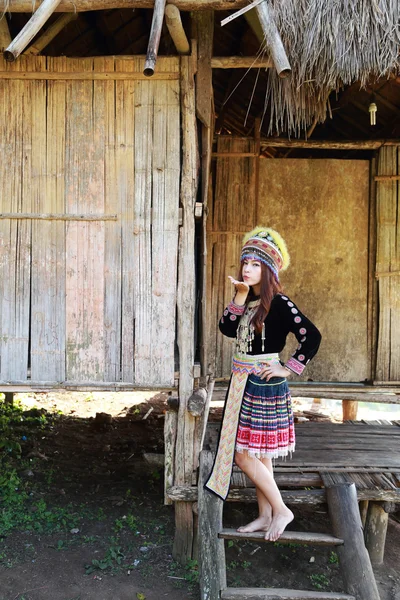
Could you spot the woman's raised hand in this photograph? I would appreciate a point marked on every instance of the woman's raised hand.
(240, 286)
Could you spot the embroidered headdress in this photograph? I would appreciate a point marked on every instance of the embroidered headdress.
(266, 245)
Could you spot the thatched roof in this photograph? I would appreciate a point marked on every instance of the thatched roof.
(330, 44)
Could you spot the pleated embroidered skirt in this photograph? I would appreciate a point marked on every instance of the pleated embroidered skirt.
(266, 427)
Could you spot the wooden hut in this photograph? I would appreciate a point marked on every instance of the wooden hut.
(124, 197)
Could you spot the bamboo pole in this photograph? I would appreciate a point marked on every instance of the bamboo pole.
(50, 33)
(5, 37)
(155, 35)
(27, 33)
(175, 28)
(263, 25)
(240, 62)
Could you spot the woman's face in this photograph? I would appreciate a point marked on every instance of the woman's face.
(251, 273)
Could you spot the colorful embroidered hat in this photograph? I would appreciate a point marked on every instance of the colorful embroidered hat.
(268, 246)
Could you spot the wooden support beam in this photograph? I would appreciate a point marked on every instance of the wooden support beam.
(355, 563)
(170, 429)
(212, 568)
(5, 36)
(204, 23)
(183, 542)
(375, 532)
(25, 6)
(328, 144)
(175, 28)
(240, 62)
(349, 410)
(50, 33)
(9, 398)
(155, 36)
(27, 33)
(86, 75)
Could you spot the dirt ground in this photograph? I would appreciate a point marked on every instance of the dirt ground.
(82, 517)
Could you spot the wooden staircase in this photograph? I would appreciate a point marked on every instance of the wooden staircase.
(347, 537)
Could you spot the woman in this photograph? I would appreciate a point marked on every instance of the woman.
(258, 419)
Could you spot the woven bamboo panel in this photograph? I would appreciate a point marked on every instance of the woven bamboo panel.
(89, 301)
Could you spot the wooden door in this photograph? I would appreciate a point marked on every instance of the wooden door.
(89, 197)
(321, 209)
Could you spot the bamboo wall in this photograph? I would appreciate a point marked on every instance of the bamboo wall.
(88, 300)
(388, 265)
(321, 208)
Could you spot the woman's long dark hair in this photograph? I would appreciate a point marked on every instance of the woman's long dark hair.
(268, 289)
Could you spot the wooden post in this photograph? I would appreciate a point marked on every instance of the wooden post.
(155, 35)
(50, 33)
(175, 28)
(349, 409)
(363, 504)
(204, 21)
(358, 576)
(9, 398)
(183, 541)
(5, 37)
(170, 427)
(212, 568)
(27, 33)
(375, 532)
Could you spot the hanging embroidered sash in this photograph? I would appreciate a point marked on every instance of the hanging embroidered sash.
(242, 367)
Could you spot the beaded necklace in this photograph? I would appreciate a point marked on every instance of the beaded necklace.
(245, 332)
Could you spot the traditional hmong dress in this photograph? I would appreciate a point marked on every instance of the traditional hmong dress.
(258, 416)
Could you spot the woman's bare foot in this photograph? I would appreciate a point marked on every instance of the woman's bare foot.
(279, 523)
(262, 523)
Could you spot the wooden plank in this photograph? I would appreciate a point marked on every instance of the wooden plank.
(298, 537)
(187, 493)
(185, 308)
(355, 564)
(106, 91)
(85, 76)
(84, 188)
(164, 228)
(15, 237)
(48, 237)
(280, 594)
(124, 153)
(211, 552)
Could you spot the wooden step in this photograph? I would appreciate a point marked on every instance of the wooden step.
(279, 594)
(296, 537)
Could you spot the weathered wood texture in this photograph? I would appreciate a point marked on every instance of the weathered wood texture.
(86, 5)
(280, 594)
(321, 209)
(387, 261)
(5, 37)
(50, 33)
(102, 307)
(355, 564)
(170, 429)
(375, 532)
(176, 30)
(211, 551)
(183, 542)
(204, 23)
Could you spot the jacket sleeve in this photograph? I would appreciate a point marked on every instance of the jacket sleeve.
(306, 333)
(229, 322)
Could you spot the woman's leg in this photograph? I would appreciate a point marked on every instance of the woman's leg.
(265, 482)
(264, 519)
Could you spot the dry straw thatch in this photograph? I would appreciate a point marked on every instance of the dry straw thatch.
(330, 44)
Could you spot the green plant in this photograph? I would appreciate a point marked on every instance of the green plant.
(319, 581)
(333, 558)
(113, 557)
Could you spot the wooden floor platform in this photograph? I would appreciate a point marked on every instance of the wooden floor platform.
(366, 453)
